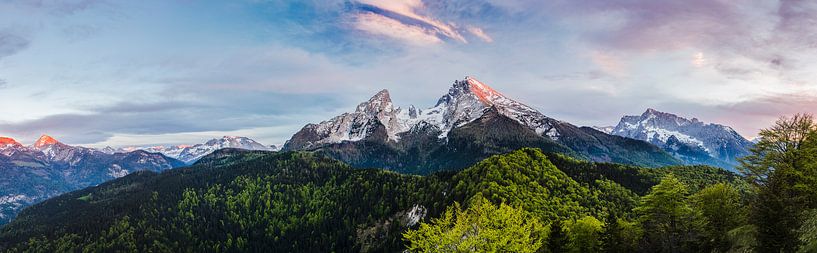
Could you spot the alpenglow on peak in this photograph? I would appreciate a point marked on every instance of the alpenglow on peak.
(45, 141)
(465, 101)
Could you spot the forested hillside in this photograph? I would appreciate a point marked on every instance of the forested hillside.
(265, 202)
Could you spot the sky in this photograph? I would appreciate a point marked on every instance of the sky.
(119, 73)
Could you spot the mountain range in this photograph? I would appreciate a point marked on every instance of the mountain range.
(192, 153)
(692, 141)
(30, 174)
(233, 193)
(469, 123)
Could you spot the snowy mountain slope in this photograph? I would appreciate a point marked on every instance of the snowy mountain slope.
(669, 131)
(465, 101)
(192, 153)
(378, 130)
(30, 174)
(604, 129)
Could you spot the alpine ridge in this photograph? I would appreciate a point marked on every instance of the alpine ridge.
(379, 134)
(192, 153)
(31, 174)
(465, 101)
(693, 141)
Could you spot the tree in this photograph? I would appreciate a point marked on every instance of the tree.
(620, 236)
(557, 240)
(808, 233)
(783, 168)
(584, 235)
(721, 210)
(483, 227)
(669, 223)
(789, 144)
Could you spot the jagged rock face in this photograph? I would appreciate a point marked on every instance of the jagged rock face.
(379, 135)
(354, 126)
(465, 101)
(670, 131)
(30, 174)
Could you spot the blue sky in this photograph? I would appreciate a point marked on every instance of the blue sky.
(119, 73)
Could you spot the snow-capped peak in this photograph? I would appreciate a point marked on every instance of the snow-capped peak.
(7, 142)
(192, 153)
(468, 98)
(604, 129)
(465, 102)
(379, 102)
(485, 93)
(660, 128)
(45, 141)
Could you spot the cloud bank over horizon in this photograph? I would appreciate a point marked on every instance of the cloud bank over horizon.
(106, 72)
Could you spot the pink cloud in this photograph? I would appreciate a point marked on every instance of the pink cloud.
(380, 25)
(411, 21)
(479, 33)
(410, 8)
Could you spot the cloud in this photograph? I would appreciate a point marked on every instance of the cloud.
(213, 112)
(409, 21)
(779, 35)
(3, 83)
(608, 63)
(58, 7)
(380, 25)
(476, 31)
(698, 59)
(11, 43)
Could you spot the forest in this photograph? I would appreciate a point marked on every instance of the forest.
(522, 201)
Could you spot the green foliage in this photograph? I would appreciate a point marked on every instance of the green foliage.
(669, 222)
(482, 227)
(558, 240)
(296, 202)
(721, 210)
(621, 236)
(525, 178)
(783, 168)
(808, 233)
(743, 239)
(585, 235)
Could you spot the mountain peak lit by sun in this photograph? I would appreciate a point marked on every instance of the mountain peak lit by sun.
(45, 141)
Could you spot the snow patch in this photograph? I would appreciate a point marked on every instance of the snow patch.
(117, 171)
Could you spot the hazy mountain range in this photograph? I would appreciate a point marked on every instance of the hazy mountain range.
(191, 153)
